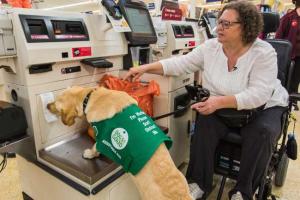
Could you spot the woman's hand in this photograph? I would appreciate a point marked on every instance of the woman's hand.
(207, 107)
(135, 73)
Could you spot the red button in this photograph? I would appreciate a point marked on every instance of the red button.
(192, 43)
(82, 51)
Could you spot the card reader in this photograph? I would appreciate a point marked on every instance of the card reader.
(97, 62)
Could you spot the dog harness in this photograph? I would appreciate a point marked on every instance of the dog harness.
(129, 138)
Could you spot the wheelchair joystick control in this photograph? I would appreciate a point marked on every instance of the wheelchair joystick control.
(197, 93)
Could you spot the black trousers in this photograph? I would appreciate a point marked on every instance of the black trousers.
(296, 75)
(258, 139)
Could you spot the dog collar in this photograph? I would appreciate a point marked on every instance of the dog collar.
(86, 100)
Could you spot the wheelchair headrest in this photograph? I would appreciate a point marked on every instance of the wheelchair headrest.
(283, 49)
(264, 7)
(271, 22)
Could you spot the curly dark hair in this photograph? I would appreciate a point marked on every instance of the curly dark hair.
(250, 18)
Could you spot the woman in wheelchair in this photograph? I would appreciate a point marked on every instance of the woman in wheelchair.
(240, 71)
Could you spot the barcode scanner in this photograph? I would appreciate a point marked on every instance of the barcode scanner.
(112, 8)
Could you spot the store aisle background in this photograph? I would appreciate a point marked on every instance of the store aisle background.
(10, 188)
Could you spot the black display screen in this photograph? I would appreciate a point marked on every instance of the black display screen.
(53, 29)
(37, 29)
(68, 29)
(139, 20)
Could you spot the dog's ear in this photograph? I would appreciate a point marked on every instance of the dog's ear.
(68, 117)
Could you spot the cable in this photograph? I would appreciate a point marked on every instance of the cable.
(172, 113)
(3, 162)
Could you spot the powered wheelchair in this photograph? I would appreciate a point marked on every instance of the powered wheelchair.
(228, 151)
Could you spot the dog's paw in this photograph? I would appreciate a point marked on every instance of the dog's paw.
(90, 154)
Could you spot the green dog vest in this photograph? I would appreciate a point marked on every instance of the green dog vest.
(129, 138)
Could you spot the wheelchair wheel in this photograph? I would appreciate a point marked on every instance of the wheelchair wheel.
(281, 171)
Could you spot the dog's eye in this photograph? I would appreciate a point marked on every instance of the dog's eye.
(61, 111)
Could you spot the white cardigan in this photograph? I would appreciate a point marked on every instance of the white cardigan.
(253, 82)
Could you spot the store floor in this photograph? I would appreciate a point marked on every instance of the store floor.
(10, 188)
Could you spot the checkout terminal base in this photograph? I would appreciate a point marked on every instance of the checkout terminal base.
(39, 183)
(118, 185)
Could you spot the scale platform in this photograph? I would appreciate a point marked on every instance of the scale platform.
(67, 156)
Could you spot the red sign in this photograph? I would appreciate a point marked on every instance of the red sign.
(171, 14)
(192, 43)
(82, 51)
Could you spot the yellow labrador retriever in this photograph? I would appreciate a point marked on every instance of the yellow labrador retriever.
(158, 179)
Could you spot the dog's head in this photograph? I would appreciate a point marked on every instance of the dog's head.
(69, 104)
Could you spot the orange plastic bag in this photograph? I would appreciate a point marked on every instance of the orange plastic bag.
(20, 3)
(142, 93)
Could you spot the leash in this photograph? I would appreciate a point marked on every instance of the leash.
(173, 113)
(196, 93)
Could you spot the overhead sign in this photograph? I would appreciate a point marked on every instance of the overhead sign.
(171, 14)
(169, 4)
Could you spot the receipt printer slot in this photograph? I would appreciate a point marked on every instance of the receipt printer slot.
(35, 69)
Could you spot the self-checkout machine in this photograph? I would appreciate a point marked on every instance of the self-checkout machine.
(142, 33)
(56, 50)
(7, 47)
(140, 52)
(13, 123)
(175, 37)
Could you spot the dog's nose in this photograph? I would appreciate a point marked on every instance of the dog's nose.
(49, 106)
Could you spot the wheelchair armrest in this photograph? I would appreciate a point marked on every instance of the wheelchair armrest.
(290, 74)
(294, 97)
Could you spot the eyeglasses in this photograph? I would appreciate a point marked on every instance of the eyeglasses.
(226, 24)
